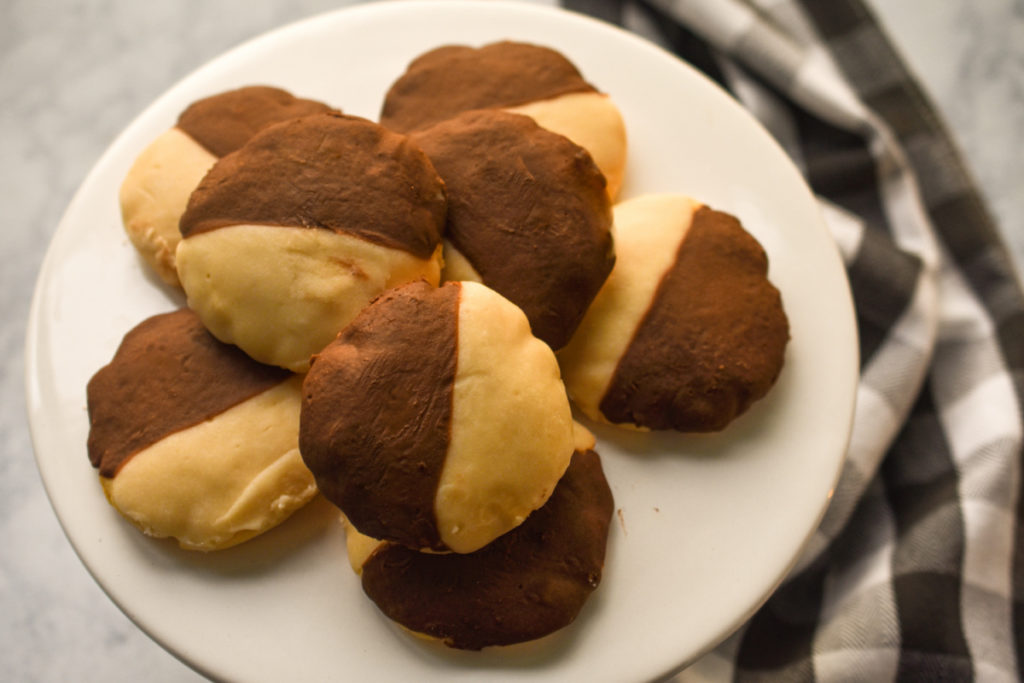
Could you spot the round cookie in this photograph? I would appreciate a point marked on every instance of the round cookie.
(528, 79)
(436, 419)
(527, 215)
(156, 189)
(194, 440)
(526, 584)
(287, 238)
(687, 332)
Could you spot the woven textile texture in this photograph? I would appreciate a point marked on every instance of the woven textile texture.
(917, 570)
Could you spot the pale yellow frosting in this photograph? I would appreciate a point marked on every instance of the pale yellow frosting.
(456, 266)
(222, 481)
(511, 432)
(155, 193)
(281, 294)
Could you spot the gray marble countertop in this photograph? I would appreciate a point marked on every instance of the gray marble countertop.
(73, 73)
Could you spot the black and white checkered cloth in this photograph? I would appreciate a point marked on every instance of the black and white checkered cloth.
(917, 571)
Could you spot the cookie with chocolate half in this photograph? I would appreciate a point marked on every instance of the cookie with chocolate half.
(527, 215)
(529, 79)
(436, 419)
(194, 440)
(526, 584)
(156, 189)
(688, 331)
(287, 238)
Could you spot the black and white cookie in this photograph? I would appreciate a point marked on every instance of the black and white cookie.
(436, 419)
(194, 440)
(688, 331)
(286, 239)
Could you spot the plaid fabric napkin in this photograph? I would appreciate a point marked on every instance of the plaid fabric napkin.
(917, 571)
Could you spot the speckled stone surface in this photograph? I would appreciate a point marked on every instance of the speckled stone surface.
(73, 73)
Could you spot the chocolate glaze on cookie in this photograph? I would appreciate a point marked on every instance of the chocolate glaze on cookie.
(224, 122)
(327, 171)
(455, 78)
(526, 584)
(376, 413)
(528, 209)
(713, 340)
(168, 374)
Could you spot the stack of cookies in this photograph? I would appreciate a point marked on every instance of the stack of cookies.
(402, 314)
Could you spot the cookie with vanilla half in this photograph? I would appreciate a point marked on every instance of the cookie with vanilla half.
(156, 188)
(526, 584)
(436, 420)
(529, 79)
(688, 331)
(286, 239)
(194, 440)
(527, 215)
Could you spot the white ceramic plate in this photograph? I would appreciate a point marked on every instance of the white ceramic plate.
(706, 526)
